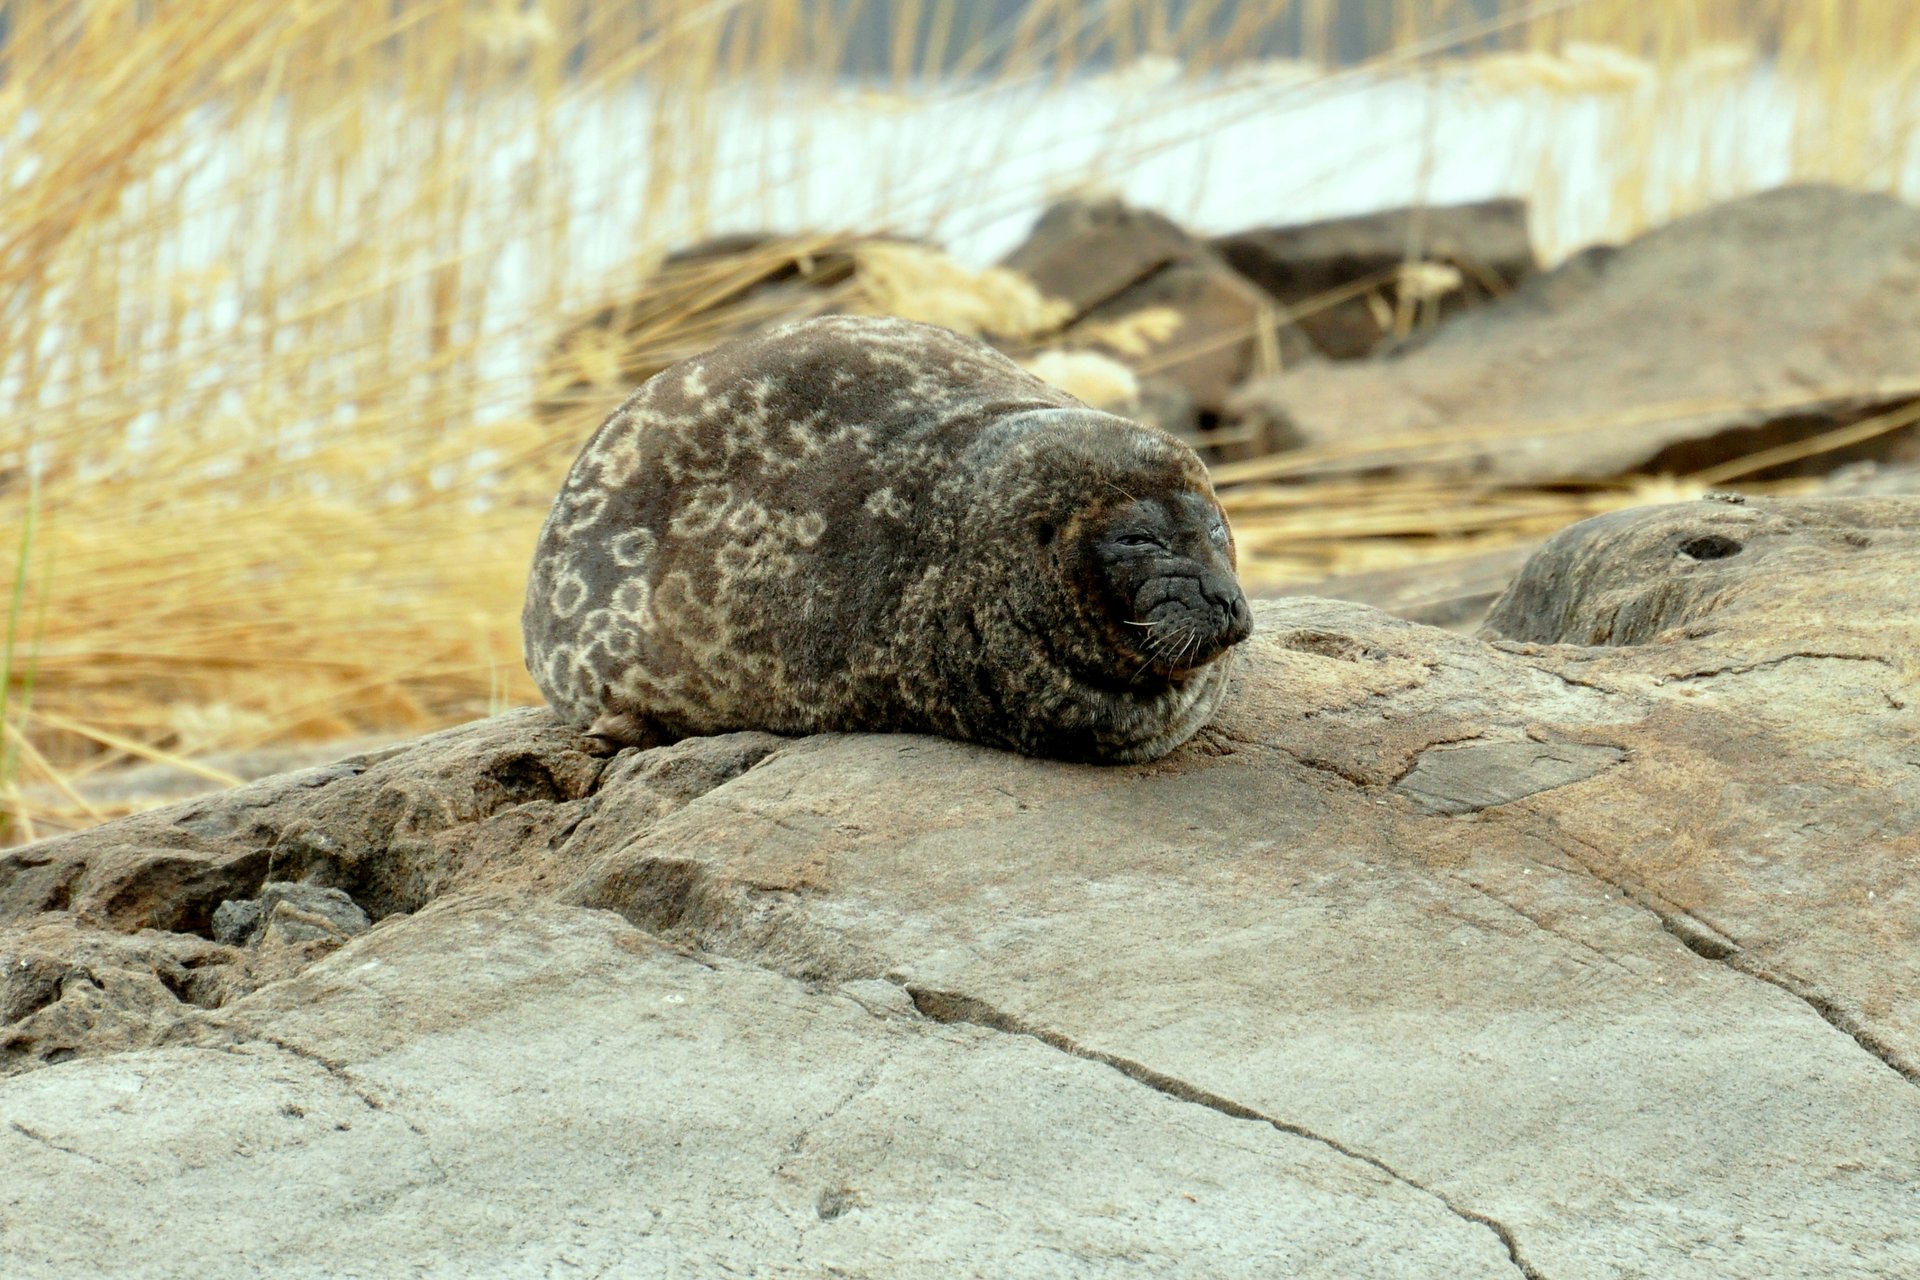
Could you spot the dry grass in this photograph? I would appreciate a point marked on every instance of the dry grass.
(257, 262)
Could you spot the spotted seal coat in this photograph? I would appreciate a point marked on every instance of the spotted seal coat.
(865, 524)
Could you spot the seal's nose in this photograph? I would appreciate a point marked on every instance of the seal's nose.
(1239, 618)
(1229, 602)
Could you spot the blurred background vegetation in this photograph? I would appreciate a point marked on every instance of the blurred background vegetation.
(276, 279)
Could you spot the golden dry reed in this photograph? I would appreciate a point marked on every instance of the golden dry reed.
(261, 480)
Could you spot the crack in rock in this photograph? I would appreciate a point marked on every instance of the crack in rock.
(41, 1138)
(1781, 660)
(1710, 943)
(1824, 1005)
(950, 1007)
(838, 1198)
(863, 1084)
(1329, 767)
(334, 1068)
(1541, 923)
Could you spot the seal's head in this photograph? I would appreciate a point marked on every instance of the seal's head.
(1132, 576)
(1162, 569)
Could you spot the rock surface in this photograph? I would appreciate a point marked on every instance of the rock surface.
(1086, 252)
(1752, 326)
(1215, 344)
(1435, 955)
(592, 1099)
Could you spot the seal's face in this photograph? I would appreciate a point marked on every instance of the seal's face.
(1164, 569)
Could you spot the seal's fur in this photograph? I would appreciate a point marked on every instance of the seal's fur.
(861, 524)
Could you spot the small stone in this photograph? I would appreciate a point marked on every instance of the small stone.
(234, 922)
(288, 913)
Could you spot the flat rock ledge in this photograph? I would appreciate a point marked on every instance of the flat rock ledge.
(1588, 947)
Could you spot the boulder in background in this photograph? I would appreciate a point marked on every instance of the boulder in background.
(1752, 326)
(1385, 261)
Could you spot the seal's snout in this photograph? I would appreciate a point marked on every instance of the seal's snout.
(1191, 620)
(1239, 618)
(1231, 616)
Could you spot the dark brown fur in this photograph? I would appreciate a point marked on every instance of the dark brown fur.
(858, 524)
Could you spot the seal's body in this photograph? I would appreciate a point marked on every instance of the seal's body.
(861, 524)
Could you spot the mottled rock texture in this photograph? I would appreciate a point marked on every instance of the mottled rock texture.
(1588, 948)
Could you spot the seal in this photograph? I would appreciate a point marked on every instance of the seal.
(857, 524)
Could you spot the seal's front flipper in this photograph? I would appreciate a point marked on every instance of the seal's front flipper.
(617, 730)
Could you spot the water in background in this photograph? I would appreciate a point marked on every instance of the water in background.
(1269, 144)
(970, 168)
(1273, 143)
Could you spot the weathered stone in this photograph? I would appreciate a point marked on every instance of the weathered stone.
(286, 912)
(67, 991)
(1484, 247)
(1086, 252)
(1754, 325)
(1214, 347)
(1480, 951)
(390, 829)
(236, 921)
(1791, 571)
(1455, 778)
(1142, 288)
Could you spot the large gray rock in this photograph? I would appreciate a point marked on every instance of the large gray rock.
(1306, 267)
(1751, 326)
(1433, 956)
(496, 1087)
(1086, 252)
(1114, 264)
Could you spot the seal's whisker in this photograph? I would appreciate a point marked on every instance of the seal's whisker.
(1165, 648)
(1146, 663)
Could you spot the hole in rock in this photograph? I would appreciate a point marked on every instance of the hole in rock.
(60, 896)
(523, 776)
(1328, 644)
(177, 982)
(1710, 546)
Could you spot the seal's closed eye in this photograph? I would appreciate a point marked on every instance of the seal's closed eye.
(1141, 541)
